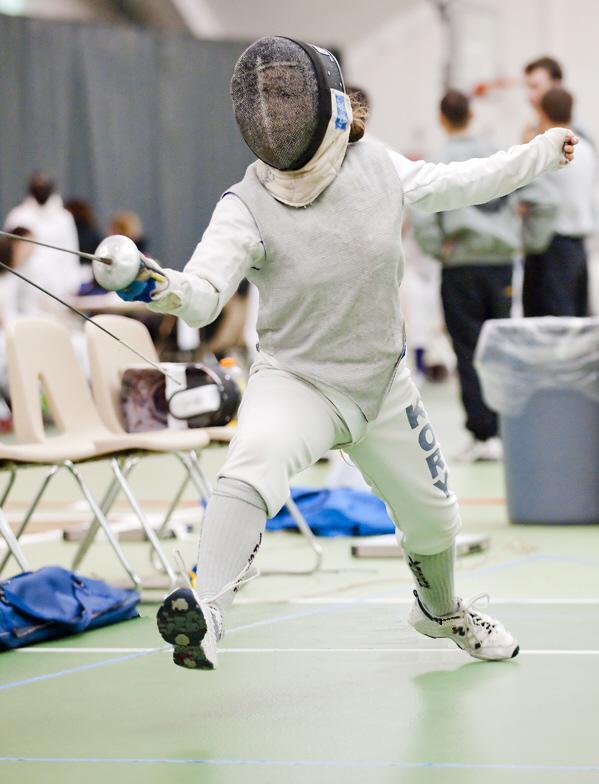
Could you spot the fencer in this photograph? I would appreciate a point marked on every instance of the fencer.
(316, 224)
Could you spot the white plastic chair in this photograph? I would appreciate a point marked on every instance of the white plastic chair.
(108, 361)
(39, 352)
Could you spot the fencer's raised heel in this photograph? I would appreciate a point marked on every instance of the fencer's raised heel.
(478, 634)
(188, 626)
(194, 626)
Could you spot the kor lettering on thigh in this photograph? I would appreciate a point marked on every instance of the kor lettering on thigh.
(427, 440)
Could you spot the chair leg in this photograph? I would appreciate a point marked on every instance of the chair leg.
(196, 474)
(195, 462)
(175, 502)
(106, 505)
(149, 531)
(111, 495)
(160, 533)
(30, 512)
(14, 548)
(311, 540)
(103, 522)
(8, 488)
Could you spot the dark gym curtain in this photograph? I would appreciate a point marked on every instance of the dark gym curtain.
(128, 119)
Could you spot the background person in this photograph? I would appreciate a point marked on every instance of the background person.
(476, 246)
(87, 225)
(13, 254)
(129, 224)
(43, 214)
(540, 76)
(556, 280)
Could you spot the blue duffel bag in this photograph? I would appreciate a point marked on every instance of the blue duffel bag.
(336, 511)
(53, 602)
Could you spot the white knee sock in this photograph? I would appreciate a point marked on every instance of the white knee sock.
(231, 535)
(434, 577)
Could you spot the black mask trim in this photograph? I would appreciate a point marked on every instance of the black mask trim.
(329, 77)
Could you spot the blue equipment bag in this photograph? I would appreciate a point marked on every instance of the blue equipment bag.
(53, 602)
(338, 511)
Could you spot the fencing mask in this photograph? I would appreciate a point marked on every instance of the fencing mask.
(281, 91)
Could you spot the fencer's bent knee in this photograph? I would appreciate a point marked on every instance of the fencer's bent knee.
(242, 491)
(260, 464)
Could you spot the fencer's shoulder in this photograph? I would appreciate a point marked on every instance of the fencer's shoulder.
(368, 165)
(232, 214)
(366, 145)
(250, 178)
(370, 152)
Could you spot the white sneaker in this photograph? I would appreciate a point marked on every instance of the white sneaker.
(478, 451)
(193, 626)
(479, 635)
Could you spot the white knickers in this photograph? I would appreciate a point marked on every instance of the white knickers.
(286, 425)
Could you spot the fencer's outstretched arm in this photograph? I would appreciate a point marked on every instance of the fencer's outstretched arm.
(229, 247)
(447, 186)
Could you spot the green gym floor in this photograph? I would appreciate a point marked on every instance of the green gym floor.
(321, 680)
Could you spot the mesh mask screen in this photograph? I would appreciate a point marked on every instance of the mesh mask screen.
(275, 99)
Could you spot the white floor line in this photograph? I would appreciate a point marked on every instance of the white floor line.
(441, 650)
(38, 649)
(406, 601)
(399, 650)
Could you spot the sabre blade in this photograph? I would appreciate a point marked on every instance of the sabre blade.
(91, 321)
(88, 256)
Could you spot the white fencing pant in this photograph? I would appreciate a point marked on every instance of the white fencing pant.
(286, 425)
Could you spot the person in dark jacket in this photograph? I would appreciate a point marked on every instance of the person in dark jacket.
(477, 246)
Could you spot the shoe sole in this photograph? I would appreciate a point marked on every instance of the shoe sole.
(181, 623)
(515, 652)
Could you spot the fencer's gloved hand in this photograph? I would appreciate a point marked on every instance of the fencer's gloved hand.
(139, 290)
(151, 269)
(563, 141)
(570, 142)
(150, 276)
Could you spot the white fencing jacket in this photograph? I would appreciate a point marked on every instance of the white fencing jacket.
(232, 244)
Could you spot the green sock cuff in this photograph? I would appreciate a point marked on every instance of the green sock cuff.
(434, 577)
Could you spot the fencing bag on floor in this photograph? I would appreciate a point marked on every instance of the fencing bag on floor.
(207, 396)
(53, 602)
(336, 511)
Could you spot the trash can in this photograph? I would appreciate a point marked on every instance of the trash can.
(541, 375)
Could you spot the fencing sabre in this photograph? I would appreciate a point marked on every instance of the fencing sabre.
(115, 270)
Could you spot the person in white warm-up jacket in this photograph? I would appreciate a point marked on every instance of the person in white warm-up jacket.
(43, 213)
(316, 225)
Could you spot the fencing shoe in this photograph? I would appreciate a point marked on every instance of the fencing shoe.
(477, 451)
(474, 632)
(193, 625)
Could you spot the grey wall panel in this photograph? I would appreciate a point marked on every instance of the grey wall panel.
(129, 119)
